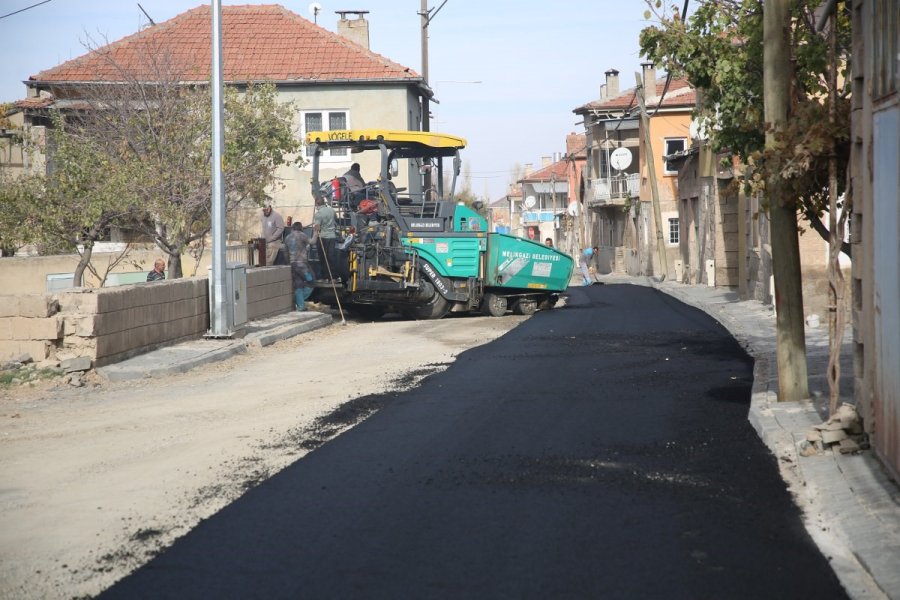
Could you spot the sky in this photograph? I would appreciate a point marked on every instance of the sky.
(535, 61)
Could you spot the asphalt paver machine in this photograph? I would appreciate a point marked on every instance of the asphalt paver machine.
(409, 246)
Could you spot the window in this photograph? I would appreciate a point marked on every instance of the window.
(674, 145)
(674, 237)
(317, 120)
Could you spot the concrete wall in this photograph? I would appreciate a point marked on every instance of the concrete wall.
(110, 324)
(28, 274)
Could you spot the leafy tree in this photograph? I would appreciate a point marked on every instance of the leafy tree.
(83, 195)
(18, 203)
(719, 49)
(158, 138)
(135, 153)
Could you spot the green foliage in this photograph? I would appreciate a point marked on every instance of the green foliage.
(168, 149)
(83, 191)
(139, 158)
(19, 207)
(719, 49)
(28, 373)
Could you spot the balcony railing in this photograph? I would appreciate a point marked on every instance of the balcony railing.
(540, 215)
(614, 190)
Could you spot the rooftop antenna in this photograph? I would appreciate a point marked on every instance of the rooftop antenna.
(152, 22)
(314, 9)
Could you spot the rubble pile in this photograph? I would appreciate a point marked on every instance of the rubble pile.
(842, 431)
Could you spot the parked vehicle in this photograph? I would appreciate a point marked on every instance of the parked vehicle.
(414, 249)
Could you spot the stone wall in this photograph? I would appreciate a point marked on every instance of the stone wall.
(28, 274)
(29, 324)
(108, 325)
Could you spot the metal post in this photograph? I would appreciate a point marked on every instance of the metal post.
(219, 318)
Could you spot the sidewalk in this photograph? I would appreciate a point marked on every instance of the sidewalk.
(180, 358)
(852, 508)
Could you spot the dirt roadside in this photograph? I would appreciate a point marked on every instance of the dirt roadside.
(94, 481)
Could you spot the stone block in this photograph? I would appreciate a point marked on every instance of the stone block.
(82, 326)
(19, 328)
(79, 363)
(832, 436)
(112, 343)
(38, 350)
(49, 328)
(86, 302)
(37, 305)
(9, 306)
(6, 329)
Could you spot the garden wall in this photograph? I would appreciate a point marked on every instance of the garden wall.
(108, 325)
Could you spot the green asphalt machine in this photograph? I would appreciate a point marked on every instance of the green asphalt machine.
(408, 247)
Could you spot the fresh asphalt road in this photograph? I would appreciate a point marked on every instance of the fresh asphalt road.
(599, 450)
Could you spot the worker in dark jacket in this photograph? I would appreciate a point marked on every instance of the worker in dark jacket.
(297, 246)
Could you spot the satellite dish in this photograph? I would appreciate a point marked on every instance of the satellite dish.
(620, 159)
(314, 9)
(698, 129)
(530, 201)
(572, 208)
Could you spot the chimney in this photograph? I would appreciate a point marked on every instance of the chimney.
(649, 75)
(546, 161)
(529, 169)
(575, 144)
(356, 30)
(611, 89)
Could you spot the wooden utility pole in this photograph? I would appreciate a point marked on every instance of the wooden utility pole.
(651, 170)
(789, 330)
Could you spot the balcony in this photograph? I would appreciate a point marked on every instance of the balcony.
(612, 191)
(540, 215)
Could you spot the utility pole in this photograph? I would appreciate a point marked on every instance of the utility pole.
(426, 16)
(651, 170)
(220, 324)
(790, 347)
(426, 108)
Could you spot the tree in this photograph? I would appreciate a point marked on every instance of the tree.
(790, 344)
(719, 49)
(18, 199)
(153, 135)
(83, 194)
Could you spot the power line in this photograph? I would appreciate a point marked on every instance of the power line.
(15, 12)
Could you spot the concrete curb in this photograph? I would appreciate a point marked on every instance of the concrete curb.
(267, 337)
(173, 359)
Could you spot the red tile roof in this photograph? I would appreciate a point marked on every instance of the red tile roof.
(260, 42)
(557, 171)
(27, 103)
(679, 94)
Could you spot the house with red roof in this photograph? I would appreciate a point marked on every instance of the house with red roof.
(334, 80)
(619, 214)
